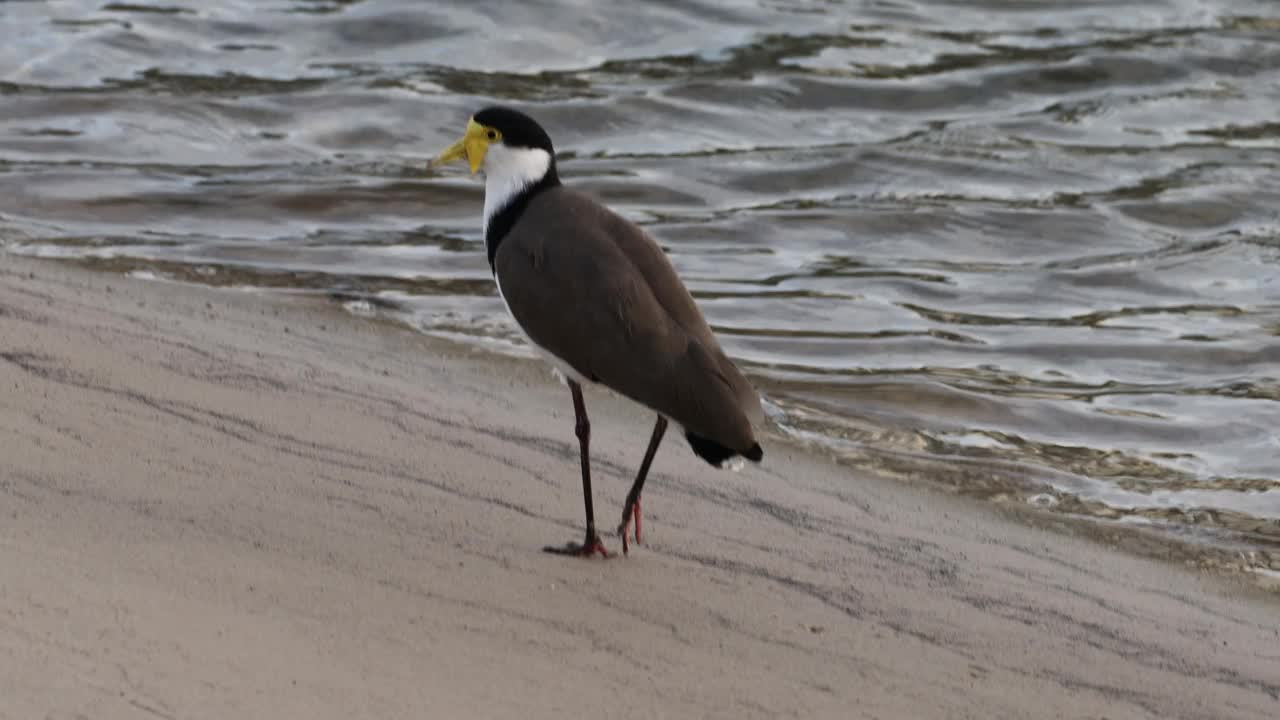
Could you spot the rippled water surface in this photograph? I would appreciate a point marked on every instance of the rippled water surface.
(1027, 248)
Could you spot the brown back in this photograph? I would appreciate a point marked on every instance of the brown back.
(596, 291)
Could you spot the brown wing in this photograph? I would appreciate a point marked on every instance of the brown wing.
(648, 258)
(597, 292)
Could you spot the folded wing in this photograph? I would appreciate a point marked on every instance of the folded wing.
(596, 291)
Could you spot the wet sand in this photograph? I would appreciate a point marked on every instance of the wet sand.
(222, 504)
(1035, 239)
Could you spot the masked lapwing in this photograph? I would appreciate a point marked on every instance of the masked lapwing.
(599, 299)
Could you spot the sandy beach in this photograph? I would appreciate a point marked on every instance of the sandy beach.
(221, 504)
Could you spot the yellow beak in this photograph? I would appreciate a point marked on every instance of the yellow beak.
(472, 146)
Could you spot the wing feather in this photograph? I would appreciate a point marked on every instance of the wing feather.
(596, 291)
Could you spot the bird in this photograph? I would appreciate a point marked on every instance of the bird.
(598, 298)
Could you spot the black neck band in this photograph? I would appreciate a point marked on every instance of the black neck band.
(503, 220)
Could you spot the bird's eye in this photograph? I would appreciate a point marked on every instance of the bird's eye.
(493, 134)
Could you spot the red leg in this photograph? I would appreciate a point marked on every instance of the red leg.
(626, 526)
(636, 514)
(631, 510)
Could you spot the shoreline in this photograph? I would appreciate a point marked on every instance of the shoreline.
(1237, 546)
(228, 503)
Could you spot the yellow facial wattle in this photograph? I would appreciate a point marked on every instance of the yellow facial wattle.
(473, 145)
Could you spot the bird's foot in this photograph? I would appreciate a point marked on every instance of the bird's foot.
(627, 517)
(585, 549)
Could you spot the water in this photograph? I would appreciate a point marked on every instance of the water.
(1027, 249)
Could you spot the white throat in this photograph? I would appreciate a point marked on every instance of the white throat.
(508, 171)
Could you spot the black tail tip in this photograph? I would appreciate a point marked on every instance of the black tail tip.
(716, 454)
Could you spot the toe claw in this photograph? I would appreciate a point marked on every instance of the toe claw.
(596, 547)
(586, 549)
(625, 527)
